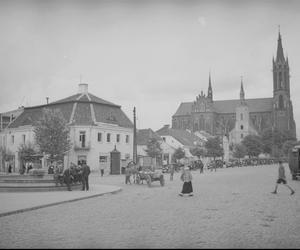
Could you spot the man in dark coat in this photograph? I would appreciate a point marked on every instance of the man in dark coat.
(67, 177)
(85, 176)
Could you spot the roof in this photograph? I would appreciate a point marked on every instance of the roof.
(228, 106)
(144, 135)
(83, 109)
(184, 137)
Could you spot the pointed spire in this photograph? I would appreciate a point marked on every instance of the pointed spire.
(280, 55)
(209, 92)
(242, 93)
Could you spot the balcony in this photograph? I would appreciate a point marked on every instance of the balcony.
(82, 146)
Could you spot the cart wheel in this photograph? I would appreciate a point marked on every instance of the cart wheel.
(149, 181)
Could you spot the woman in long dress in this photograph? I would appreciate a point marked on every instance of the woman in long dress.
(186, 177)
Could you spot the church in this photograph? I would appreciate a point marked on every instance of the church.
(244, 116)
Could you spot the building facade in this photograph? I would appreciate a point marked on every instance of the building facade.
(218, 117)
(96, 128)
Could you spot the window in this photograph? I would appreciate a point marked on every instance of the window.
(82, 138)
(242, 127)
(103, 158)
(24, 138)
(281, 104)
(108, 137)
(127, 138)
(118, 138)
(99, 136)
(12, 139)
(242, 136)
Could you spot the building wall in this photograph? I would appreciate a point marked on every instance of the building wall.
(94, 149)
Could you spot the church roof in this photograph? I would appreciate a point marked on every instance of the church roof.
(228, 106)
(79, 109)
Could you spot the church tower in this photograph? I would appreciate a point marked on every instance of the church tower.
(209, 91)
(282, 106)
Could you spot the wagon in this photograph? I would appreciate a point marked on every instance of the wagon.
(150, 176)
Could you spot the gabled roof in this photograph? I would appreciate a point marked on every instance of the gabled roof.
(144, 135)
(228, 106)
(184, 137)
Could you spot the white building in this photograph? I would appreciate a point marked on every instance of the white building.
(144, 135)
(177, 138)
(96, 128)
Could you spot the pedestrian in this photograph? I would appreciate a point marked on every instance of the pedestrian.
(102, 170)
(85, 176)
(68, 177)
(9, 168)
(172, 170)
(281, 178)
(127, 175)
(186, 177)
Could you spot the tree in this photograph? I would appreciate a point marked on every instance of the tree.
(274, 139)
(153, 148)
(197, 151)
(213, 147)
(253, 145)
(52, 134)
(27, 151)
(179, 154)
(239, 151)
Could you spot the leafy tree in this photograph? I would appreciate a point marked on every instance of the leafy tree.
(179, 154)
(27, 151)
(153, 148)
(52, 134)
(213, 147)
(197, 151)
(253, 145)
(239, 151)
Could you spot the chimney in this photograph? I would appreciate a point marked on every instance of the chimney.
(82, 88)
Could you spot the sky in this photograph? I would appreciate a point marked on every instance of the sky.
(151, 55)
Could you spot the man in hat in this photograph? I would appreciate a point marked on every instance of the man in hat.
(85, 176)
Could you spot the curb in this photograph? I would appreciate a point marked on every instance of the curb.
(57, 203)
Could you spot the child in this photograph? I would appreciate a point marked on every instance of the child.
(282, 179)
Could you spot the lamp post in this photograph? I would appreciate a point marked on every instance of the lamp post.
(134, 137)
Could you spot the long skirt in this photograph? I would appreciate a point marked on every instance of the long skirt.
(187, 188)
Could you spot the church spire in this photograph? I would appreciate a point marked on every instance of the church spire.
(280, 55)
(209, 92)
(242, 93)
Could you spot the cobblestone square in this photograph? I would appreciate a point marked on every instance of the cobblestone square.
(231, 208)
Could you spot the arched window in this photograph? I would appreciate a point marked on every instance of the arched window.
(280, 102)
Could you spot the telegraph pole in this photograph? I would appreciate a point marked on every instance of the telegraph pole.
(134, 137)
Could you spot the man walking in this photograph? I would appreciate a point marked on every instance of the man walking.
(85, 177)
(282, 179)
